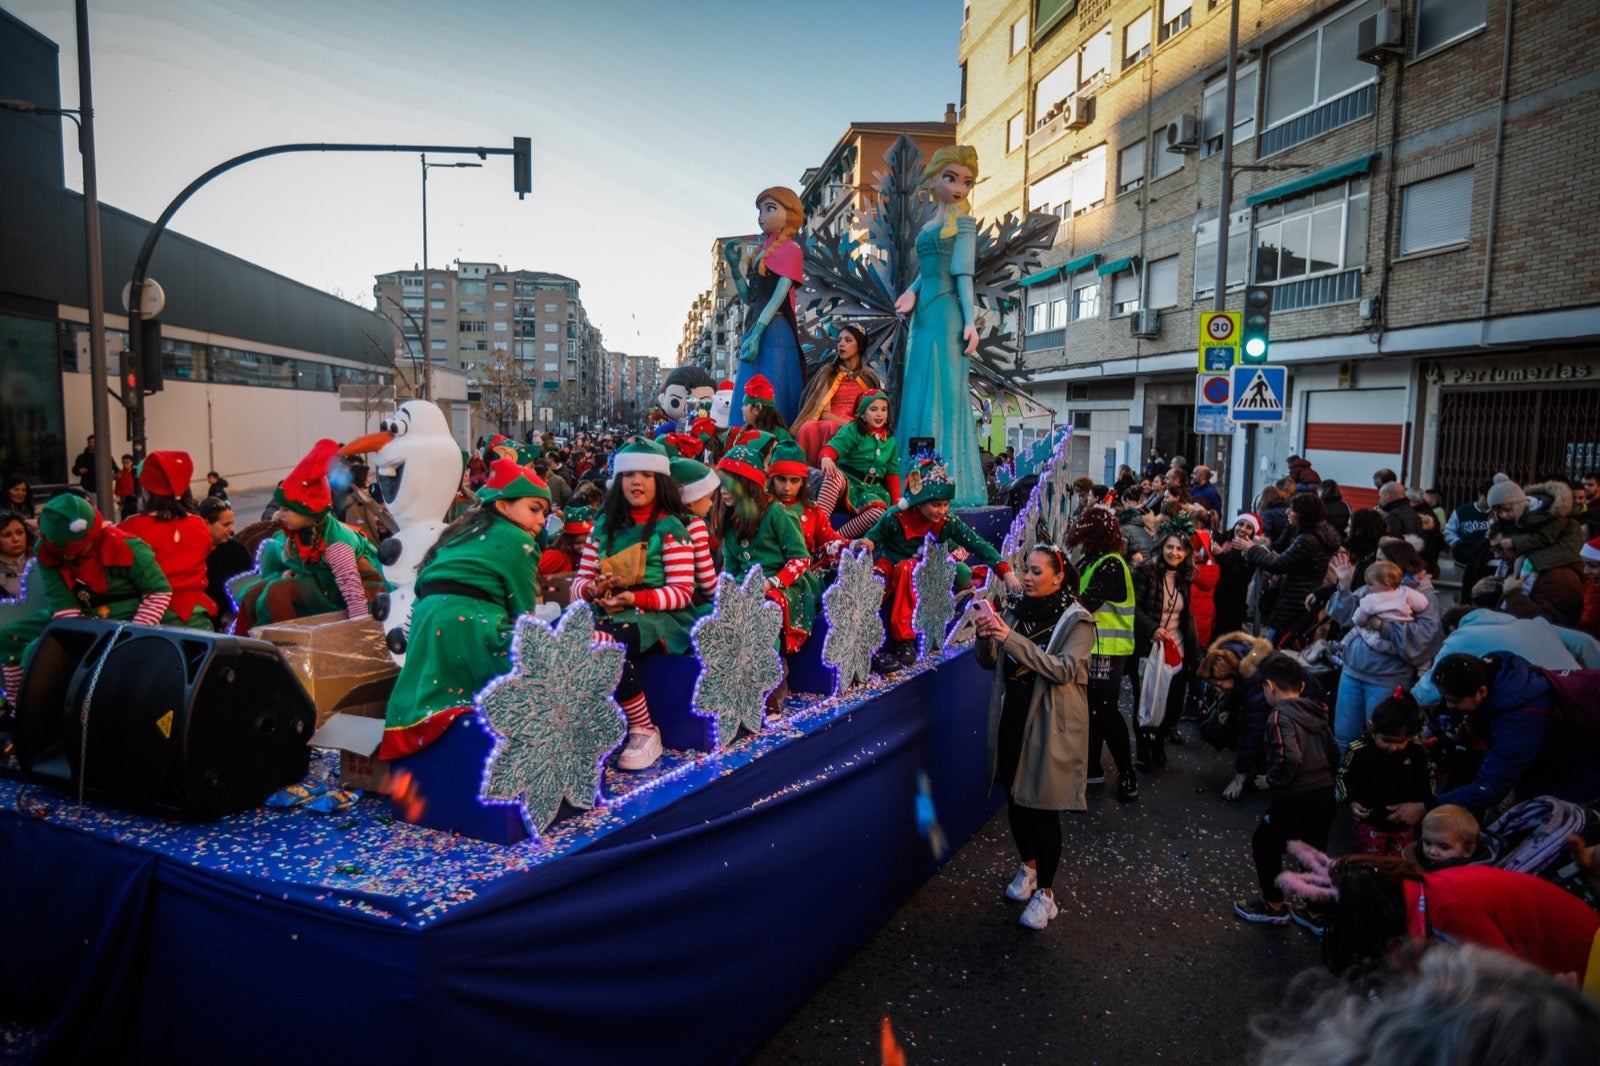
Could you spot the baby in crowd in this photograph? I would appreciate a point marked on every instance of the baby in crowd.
(1388, 599)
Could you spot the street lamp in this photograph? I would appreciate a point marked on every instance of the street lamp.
(427, 342)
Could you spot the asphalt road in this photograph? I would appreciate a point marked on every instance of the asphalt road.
(1145, 964)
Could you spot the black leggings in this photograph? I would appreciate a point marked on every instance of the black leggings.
(628, 636)
(1038, 837)
(1106, 725)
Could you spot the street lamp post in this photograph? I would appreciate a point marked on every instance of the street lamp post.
(427, 342)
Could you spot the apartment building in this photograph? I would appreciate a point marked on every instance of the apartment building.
(846, 180)
(715, 325)
(1411, 177)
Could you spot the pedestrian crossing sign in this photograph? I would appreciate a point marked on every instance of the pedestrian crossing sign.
(1258, 393)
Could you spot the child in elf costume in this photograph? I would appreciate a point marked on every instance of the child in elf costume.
(315, 563)
(897, 540)
(180, 538)
(92, 569)
(699, 485)
(787, 477)
(564, 552)
(861, 467)
(760, 413)
(758, 531)
(473, 585)
(637, 572)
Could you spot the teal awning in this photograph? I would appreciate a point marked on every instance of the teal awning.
(1040, 278)
(1082, 263)
(1351, 169)
(1116, 266)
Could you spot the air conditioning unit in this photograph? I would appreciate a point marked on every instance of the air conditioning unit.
(1080, 112)
(1380, 33)
(1146, 323)
(1183, 134)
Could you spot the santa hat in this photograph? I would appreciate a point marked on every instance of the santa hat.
(1590, 552)
(787, 459)
(758, 391)
(867, 398)
(67, 519)
(727, 387)
(510, 480)
(166, 473)
(1251, 517)
(695, 479)
(928, 482)
(643, 455)
(578, 520)
(305, 491)
(746, 461)
(686, 444)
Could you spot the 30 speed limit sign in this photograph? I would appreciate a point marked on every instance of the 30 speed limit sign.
(1219, 341)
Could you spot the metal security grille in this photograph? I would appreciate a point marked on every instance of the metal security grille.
(1527, 433)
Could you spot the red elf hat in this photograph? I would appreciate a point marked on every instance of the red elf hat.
(758, 391)
(305, 491)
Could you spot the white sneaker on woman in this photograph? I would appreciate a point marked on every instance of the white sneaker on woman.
(1040, 909)
(640, 751)
(1023, 884)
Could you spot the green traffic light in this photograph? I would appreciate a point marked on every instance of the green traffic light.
(1255, 347)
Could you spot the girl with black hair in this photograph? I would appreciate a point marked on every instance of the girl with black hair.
(756, 530)
(1163, 589)
(829, 401)
(861, 467)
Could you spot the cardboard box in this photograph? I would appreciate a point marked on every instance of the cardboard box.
(357, 738)
(343, 663)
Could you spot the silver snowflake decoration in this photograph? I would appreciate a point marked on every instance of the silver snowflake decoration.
(1048, 513)
(966, 630)
(554, 717)
(853, 606)
(932, 580)
(739, 662)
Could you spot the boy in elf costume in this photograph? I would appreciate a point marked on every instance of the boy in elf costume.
(699, 487)
(473, 585)
(861, 467)
(758, 531)
(315, 563)
(91, 569)
(180, 538)
(897, 540)
(787, 477)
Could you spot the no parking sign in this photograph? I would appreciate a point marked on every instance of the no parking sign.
(1213, 396)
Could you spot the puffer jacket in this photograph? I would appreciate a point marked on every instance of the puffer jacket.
(1301, 752)
(1303, 565)
(1147, 581)
(1140, 540)
(1545, 533)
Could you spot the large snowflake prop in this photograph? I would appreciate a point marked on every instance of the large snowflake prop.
(855, 625)
(932, 579)
(739, 662)
(553, 716)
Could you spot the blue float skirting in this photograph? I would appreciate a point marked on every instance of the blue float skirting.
(990, 523)
(683, 923)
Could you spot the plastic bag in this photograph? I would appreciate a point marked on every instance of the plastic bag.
(1154, 682)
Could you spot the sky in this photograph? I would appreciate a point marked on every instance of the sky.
(654, 124)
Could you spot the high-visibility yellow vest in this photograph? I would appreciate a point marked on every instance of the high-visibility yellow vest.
(1114, 620)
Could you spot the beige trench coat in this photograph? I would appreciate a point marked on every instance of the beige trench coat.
(1052, 774)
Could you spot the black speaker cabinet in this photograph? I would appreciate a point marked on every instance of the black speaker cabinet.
(197, 724)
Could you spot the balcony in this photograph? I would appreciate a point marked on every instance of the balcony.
(1341, 288)
(1340, 111)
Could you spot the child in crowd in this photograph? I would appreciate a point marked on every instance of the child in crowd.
(760, 416)
(472, 586)
(1388, 600)
(179, 537)
(218, 486)
(701, 489)
(861, 467)
(787, 477)
(1386, 766)
(127, 488)
(1449, 838)
(758, 531)
(562, 556)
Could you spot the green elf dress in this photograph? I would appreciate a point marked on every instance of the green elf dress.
(469, 596)
(779, 548)
(869, 461)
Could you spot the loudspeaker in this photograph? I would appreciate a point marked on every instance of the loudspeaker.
(194, 723)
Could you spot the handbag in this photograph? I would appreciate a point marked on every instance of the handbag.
(1154, 681)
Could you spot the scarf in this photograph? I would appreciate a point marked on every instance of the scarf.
(309, 554)
(1035, 619)
(106, 546)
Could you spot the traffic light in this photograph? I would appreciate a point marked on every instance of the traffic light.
(1253, 339)
(152, 377)
(522, 165)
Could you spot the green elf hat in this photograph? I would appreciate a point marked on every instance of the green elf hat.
(927, 482)
(745, 460)
(867, 398)
(579, 521)
(758, 392)
(787, 458)
(499, 444)
(641, 454)
(510, 480)
(527, 453)
(66, 519)
(305, 491)
(695, 479)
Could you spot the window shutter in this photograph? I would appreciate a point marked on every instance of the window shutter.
(1437, 212)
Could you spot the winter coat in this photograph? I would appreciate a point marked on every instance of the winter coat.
(1052, 774)
(1303, 565)
(1534, 639)
(1527, 747)
(1556, 595)
(1208, 495)
(1249, 699)
(1338, 513)
(1140, 540)
(1303, 474)
(1417, 641)
(1231, 597)
(1517, 913)
(1402, 518)
(1301, 752)
(1147, 586)
(1275, 520)
(1546, 534)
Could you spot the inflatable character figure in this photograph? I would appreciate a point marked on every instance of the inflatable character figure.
(677, 405)
(771, 345)
(722, 405)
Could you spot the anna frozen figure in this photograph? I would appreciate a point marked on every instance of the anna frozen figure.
(934, 400)
(771, 345)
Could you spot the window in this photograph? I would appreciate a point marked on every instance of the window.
(1019, 35)
(1130, 167)
(472, 288)
(551, 368)
(1136, 40)
(1058, 309)
(1213, 110)
(1175, 16)
(1016, 134)
(1124, 293)
(499, 305)
(1441, 21)
(1163, 161)
(1052, 194)
(435, 284)
(1205, 254)
(1161, 281)
(1094, 58)
(1054, 92)
(411, 282)
(961, 105)
(1048, 14)
(1039, 316)
(551, 346)
(1085, 295)
(499, 327)
(436, 323)
(1314, 233)
(499, 286)
(1436, 213)
(551, 327)
(473, 327)
(436, 343)
(470, 307)
(550, 308)
(411, 303)
(436, 302)
(1089, 180)
(1317, 67)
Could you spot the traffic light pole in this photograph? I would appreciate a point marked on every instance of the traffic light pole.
(1224, 213)
(133, 397)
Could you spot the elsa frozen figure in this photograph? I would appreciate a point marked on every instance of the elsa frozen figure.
(934, 400)
(771, 342)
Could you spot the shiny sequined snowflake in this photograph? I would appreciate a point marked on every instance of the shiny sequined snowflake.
(738, 648)
(932, 580)
(853, 607)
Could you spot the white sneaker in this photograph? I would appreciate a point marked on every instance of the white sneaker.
(640, 751)
(1040, 909)
(1023, 884)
